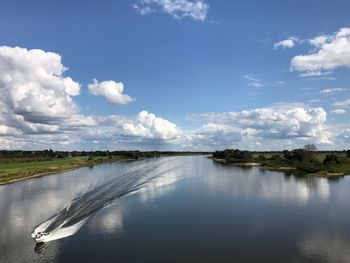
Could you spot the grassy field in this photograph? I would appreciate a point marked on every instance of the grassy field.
(10, 172)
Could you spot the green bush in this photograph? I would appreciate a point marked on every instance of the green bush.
(332, 159)
(262, 158)
(309, 167)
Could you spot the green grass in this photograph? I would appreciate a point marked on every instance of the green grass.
(15, 171)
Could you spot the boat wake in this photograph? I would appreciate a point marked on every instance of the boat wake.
(72, 217)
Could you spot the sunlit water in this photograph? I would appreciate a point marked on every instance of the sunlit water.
(177, 209)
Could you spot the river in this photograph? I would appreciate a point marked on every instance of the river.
(175, 209)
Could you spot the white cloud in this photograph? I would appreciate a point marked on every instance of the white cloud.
(253, 82)
(286, 43)
(280, 122)
(195, 9)
(111, 90)
(314, 101)
(338, 111)
(342, 104)
(331, 90)
(331, 52)
(317, 74)
(248, 77)
(147, 125)
(37, 108)
(318, 41)
(35, 96)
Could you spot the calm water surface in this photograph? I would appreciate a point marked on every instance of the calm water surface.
(184, 209)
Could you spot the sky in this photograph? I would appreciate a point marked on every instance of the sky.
(196, 75)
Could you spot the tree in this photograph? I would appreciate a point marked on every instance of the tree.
(310, 147)
(287, 155)
(348, 153)
(298, 155)
(233, 154)
(332, 159)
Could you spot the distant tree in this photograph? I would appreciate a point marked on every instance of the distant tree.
(262, 158)
(310, 147)
(332, 159)
(287, 155)
(298, 155)
(276, 157)
(348, 153)
(233, 154)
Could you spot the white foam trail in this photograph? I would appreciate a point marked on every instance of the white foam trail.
(58, 233)
(71, 218)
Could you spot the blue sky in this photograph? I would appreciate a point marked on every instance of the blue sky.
(209, 74)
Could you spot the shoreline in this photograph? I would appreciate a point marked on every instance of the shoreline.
(73, 167)
(39, 175)
(323, 174)
(329, 175)
(236, 164)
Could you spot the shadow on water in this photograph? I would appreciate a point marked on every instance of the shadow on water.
(40, 247)
(78, 211)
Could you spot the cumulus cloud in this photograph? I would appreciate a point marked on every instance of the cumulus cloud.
(37, 107)
(111, 90)
(143, 125)
(280, 122)
(286, 43)
(35, 96)
(195, 9)
(318, 41)
(330, 52)
(148, 125)
(37, 110)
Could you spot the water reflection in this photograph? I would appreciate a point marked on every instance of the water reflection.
(148, 176)
(159, 187)
(25, 204)
(206, 202)
(254, 182)
(28, 202)
(109, 222)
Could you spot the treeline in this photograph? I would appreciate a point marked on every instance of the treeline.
(49, 154)
(234, 155)
(310, 161)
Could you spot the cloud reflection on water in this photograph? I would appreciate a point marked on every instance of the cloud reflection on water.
(253, 182)
(25, 204)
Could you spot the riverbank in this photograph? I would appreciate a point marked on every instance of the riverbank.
(234, 163)
(326, 174)
(21, 165)
(13, 172)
